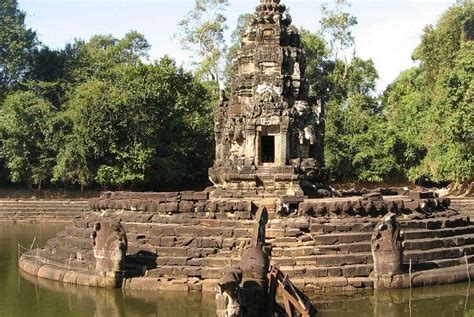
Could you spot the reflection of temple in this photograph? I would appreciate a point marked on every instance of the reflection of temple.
(269, 133)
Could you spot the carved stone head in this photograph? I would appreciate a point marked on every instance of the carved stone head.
(110, 247)
(387, 246)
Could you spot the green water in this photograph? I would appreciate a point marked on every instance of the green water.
(22, 295)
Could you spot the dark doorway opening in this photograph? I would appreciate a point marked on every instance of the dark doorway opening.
(268, 149)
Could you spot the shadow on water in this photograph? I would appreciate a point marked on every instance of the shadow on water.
(24, 295)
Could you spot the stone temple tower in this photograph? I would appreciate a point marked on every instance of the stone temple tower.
(269, 133)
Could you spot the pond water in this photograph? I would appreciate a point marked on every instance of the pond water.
(23, 295)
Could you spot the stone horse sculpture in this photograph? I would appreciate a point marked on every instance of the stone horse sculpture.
(250, 288)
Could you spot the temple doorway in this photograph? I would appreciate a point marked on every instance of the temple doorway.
(267, 149)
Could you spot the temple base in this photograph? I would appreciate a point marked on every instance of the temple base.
(267, 181)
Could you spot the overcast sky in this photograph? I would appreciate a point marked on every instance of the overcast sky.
(388, 30)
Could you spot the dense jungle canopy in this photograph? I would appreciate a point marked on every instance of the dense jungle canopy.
(98, 114)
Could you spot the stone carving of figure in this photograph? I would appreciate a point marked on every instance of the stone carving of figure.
(301, 136)
(110, 248)
(242, 289)
(296, 65)
(219, 126)
(239, 130)
(228, 299)
(301, 107)
(309, 134)
(387, 246)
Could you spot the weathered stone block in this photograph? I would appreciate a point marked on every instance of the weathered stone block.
(212, 242)
(192, 271)
(168, 241)
(172, 207)
(187, 231)
(171, 251)
(201, 196)
(186, 206)
(163, 230)
(211, 273)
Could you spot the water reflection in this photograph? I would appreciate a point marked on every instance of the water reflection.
(446, 300)
(450, 300)
(105, 302)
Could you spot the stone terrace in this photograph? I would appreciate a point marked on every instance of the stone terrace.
(182, 241)
(44, 210)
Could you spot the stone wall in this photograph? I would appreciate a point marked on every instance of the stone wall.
(182, 241)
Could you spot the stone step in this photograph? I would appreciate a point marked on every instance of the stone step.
(368, 225)
(34, 215)
(69, 213)
(43, 203)
(420, 256)
(416, 255)
(354, 237)
(38, 217)
(438, 233)
(444, 263)
(437, 223)
(462, 202)
(434, 243)
(410, 244)
(45, 208)
(359, 270)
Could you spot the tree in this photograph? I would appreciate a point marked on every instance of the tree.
(432, 106)
(25, 131)
(202, 31)
(336, 25)
(358, 145)
(17, 46)
(142, 125)
(319, 65)
(98, 57)
(404, 109)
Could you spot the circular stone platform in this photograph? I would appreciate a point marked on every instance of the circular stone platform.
(182, 241)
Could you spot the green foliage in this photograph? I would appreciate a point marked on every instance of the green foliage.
(102, 53)
(319, 66)
(336, 25)
(202, 31)
(404, 111)
(17, 46)
(145, 124)
(431, 107)
(358, 145)
(94, 113)
(25, 131)
(98, 113)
